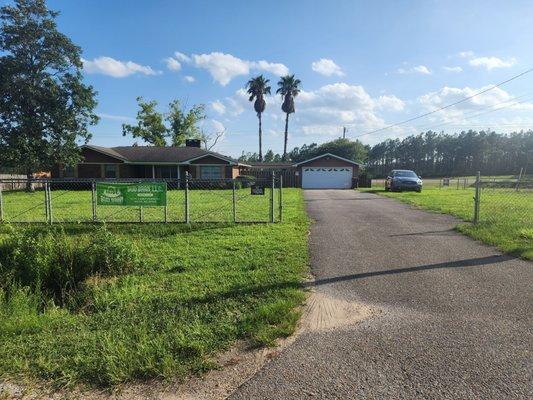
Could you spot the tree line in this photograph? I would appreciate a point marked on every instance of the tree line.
(430, 154)
(433, 154)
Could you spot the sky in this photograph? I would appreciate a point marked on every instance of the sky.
(363, 65)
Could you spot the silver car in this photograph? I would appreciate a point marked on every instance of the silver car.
(403, 179)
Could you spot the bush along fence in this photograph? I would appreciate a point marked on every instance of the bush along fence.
(142, 200)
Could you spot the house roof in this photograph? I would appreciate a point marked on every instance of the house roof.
(154, 154)
(330, 155)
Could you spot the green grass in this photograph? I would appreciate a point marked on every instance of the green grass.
(203, 287)
(76, 206)
(506, 216)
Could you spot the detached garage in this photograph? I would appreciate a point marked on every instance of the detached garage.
(327, 171)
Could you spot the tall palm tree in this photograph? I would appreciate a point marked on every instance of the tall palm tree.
(257, 89)
(288, 88)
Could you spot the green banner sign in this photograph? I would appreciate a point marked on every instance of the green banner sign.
(149, 194)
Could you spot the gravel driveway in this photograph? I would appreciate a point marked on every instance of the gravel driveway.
(452, 317)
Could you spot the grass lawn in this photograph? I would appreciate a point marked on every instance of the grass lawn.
(506, 216)
(203, 287)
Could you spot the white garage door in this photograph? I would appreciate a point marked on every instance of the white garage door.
(326, 177)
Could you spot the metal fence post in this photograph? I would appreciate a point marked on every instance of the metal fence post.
(281, 198)
(187, 217)
(140, 213)
(273, 186)
(46, 210)
(477, 198)
(93, 197)
(1, 205)
(519, 179)
(50, 213)
(234, 202)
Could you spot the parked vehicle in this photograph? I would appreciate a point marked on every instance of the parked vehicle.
(403, 179)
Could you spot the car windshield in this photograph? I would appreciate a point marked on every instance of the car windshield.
(406, 174)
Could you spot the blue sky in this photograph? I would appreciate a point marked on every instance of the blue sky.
(363, 64)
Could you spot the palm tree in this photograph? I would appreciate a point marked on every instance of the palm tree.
(288, 88)
(257, 88)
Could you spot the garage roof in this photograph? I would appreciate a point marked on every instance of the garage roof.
(328, 154)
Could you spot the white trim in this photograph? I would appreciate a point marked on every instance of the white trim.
(325, 155)
(231, 162)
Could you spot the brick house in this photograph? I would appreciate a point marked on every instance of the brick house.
(150, 162)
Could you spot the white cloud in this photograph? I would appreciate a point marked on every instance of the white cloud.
(274, 68)
(112, 117)
(466, 54)
(419, 69)
(172, 64)
(217, 126)
(491, 100)
(224, 67)
(326, 67)
(491, 63)
(189, 78)
(390, 102)
(182, 57)
(325, 110)
(218, 107)
(115, 68)
(453, 69)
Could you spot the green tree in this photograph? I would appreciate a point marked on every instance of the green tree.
(352, 150)
(269, 156)
(45, 108)
(288, 88)
(184, 124)
(151, 125)
(257, 89)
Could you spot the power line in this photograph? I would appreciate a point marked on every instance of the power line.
(447, 106)
(474, 114)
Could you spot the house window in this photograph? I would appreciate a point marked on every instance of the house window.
(166, 171)
(210, 172)
(110, 170)
(69, 172)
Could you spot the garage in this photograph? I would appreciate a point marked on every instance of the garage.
(327, 171)
(327, 177)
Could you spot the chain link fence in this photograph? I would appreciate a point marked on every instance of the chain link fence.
(504, 201)
(187, 201)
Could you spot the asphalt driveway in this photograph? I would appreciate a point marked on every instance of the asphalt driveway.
(453, 317)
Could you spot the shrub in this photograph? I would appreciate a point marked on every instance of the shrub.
(48, 261)
(246, 180)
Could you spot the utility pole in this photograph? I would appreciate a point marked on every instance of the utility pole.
(344, 132)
